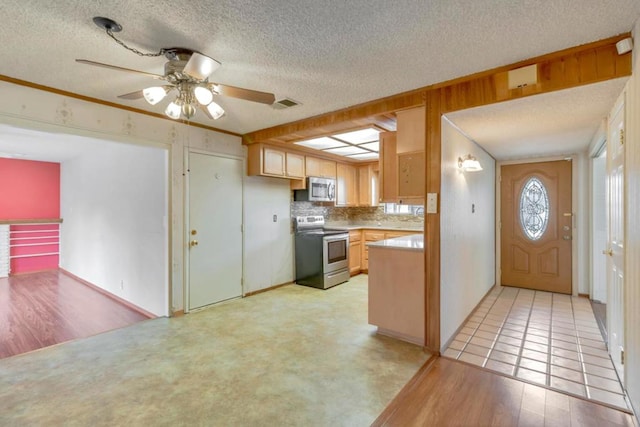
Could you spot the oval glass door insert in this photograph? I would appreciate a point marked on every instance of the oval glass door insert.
(534, 208)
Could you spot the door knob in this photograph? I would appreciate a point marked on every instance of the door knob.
(607, 252)
(193, 243)
(566, 237)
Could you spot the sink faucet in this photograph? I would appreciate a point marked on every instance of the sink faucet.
(420, 211)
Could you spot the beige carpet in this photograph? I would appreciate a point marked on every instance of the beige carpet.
(292, 356)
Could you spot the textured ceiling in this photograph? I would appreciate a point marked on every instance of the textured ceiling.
(325, 54)
(556, 123)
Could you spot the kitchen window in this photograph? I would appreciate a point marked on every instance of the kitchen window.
(401, 209)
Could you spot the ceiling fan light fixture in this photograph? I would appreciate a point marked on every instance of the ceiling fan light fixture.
(215, 110)
(203, 95)
(173, 110)
(188, 110)
(154, 94)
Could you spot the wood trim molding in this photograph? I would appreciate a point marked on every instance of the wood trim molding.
(177, 313)
(433, 178)
(576, 66)
(110, 295)
(108, 103)
(31, 221)
(351, 117)
(270, 288)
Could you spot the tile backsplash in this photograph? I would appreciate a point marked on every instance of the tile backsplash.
(354, 215)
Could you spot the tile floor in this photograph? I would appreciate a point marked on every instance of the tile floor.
(542, 337)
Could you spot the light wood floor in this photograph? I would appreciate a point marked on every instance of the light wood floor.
(448, 392)
(42, 309)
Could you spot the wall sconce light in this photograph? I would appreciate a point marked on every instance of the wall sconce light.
(469, 163)
(624, 46)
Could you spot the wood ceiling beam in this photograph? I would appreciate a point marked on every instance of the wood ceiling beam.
(576, 66)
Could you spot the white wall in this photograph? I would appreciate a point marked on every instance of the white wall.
(114, 201)
(598, 228)
(632, 230)
(49, 112)
(467, 239)
(268, 245)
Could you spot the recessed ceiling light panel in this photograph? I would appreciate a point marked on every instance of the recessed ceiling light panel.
(360, 136)
(346, 151)
(373, 146)
(365, 156)
(321, 143)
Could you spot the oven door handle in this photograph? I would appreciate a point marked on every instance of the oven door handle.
(336, 237)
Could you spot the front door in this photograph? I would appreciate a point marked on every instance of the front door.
(215, 229)
(615, 262)
(536, 226)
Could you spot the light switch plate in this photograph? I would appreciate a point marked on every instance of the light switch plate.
(432, 203)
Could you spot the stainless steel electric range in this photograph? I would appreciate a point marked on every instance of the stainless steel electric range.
(322, 255)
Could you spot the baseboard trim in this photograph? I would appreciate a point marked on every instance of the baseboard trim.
(270, 288)
(583, 295)
(32, 272)
(177, 313)
(109, 294)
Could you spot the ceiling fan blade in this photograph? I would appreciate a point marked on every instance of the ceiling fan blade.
(200, 66)
(114, 67)
(205, 111)
(133, 95)
(247, 94)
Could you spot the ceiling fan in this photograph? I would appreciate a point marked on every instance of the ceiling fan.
(186, 72)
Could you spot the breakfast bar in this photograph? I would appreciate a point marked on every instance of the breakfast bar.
(396, 287)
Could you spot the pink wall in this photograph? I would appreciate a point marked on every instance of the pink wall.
(31, 190)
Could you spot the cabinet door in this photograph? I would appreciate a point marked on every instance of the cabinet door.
(273, 162)
(295, 165)
(368, 192)
(328, 169)
(355, 257)
(388, 168)
(411, 175)
(312, 166)
(346, 192)
(411, 127)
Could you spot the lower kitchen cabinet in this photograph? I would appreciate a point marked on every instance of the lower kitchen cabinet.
(355, 252)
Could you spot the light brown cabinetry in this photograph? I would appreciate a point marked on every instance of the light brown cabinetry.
(346, 185)
(355, 252)
(411, 125)
(320, 167)
(411, 178)
(377, 235)
(271, 161)
(368, 188)
(294, 165)
(388, 168)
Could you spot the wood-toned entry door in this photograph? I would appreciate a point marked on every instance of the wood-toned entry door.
(536, 226)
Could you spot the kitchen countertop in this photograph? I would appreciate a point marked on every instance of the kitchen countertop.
(415, 242)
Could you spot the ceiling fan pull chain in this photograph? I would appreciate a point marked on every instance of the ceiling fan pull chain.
(134, 50)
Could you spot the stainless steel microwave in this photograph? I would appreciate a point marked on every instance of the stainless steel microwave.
(318, 190)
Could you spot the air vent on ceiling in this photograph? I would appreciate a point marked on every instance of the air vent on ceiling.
(284, 103)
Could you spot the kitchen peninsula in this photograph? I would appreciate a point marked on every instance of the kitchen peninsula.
(396, 287)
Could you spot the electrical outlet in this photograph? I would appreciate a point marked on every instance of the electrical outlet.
(275, 218)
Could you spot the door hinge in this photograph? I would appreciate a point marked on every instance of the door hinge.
(622, 357)
(621, 136)
(242, 228)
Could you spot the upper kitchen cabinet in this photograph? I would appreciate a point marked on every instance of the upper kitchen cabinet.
(320, 167)
(410, 156)
(270, 161)
(368, 188)
(411, 126)
(388, 165)
(346, 185)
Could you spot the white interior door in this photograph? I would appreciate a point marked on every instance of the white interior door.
(615, 251)
(599, 228)
(215, 229)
